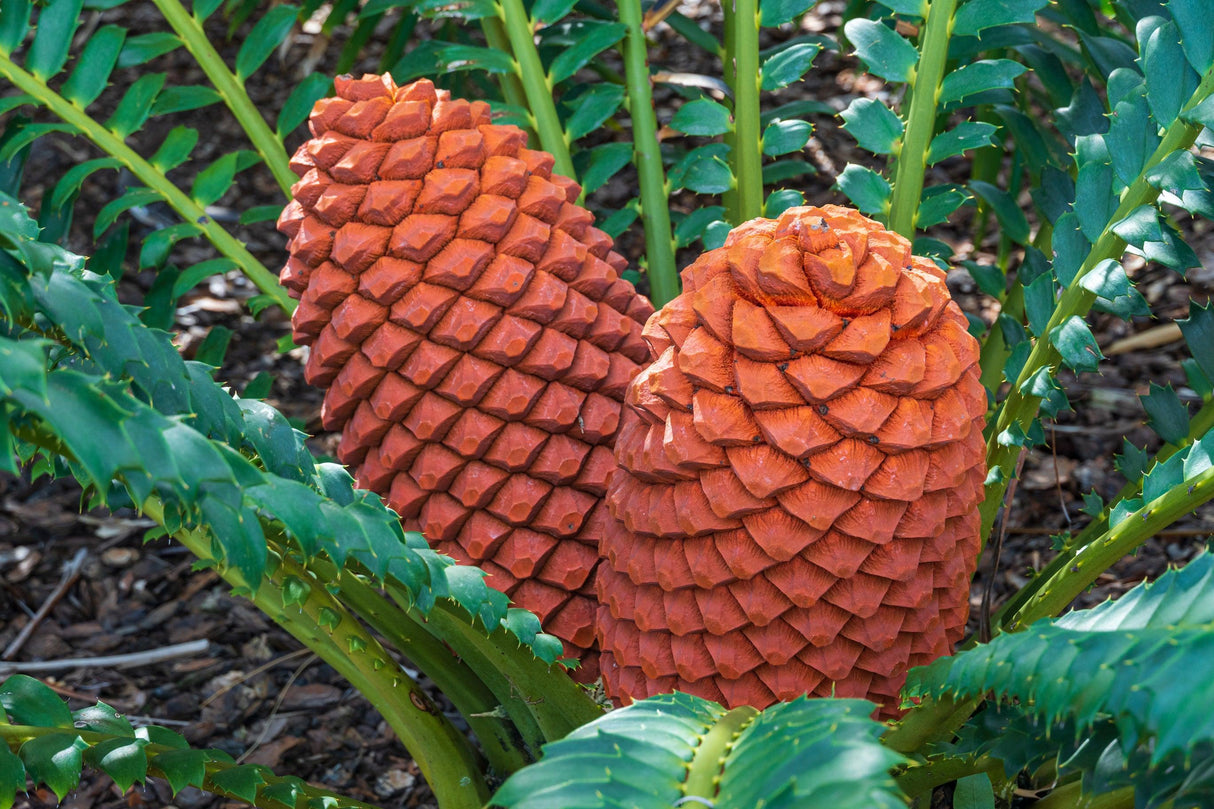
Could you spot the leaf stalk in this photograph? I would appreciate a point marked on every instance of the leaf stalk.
(923, 88)
(646, 154)
(742, 73)
(537, 86)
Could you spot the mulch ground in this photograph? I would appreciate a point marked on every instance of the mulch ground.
(253, 691)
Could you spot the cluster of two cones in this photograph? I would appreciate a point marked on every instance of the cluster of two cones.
(793, 508)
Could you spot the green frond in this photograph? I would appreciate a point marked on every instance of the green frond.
(1143, 675)
(681, 750)
(51, 744)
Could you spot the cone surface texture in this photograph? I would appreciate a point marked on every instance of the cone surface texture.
(799, 473)
(473, 334)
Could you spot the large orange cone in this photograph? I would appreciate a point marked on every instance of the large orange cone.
(473, 332)
(800, 469)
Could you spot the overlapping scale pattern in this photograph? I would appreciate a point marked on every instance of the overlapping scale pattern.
(800, 469)
(472, 331)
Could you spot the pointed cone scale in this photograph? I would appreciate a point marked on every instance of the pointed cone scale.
(824, 480)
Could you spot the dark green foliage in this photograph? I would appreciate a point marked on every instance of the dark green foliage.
(1139, 655)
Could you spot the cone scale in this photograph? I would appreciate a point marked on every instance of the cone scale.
(473, 334)
(799, 473)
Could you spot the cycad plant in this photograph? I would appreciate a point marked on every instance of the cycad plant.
(1079, 129)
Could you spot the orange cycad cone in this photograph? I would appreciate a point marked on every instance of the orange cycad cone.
(799, 473)
(473, 332)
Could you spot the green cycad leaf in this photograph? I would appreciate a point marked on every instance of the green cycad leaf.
(976, 15)
(69, 185)
(702, 117)
(10, 103)
(267, 34)
(703, 170)
(1179, 172)
(1169, 79)
(1076, 345)
(1094, 198)
(183, 99)
(181, 768)
(1168, 416)
(24, 699)
(782, 137)
(787, 65)
(57, 23)
(911, 8)
(1040, 297)
(592, 108)
(874, 125)
(473, 57)
(867, 189)
(176, 148)
(1114, 290)
(131, 198)
(590, 39)
(54, 760)
(1013, 221)
(1198, 331)
(12, 776)
(974, 792)
(938, 203)
(136, 105)
(598, 165)
(121, 759)
(143, 48)
(14, 23)
(299, 103)
(546, 12)
(781, 170)
(692, 226)
(93, 68)
(242, 782)
(1193, 19)
(1132, 136)
(214, 181)
(27, 134)
(777, 12)
(1163, 476)
(198, 273)
(102, 719)
(458, 10)
(961, 138)
(978, 77)
(680, 749)
(883, 51)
